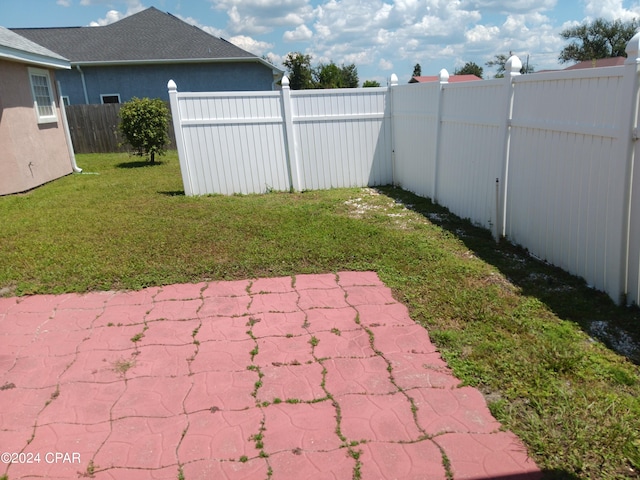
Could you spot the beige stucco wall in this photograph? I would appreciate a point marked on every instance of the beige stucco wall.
(30, 154)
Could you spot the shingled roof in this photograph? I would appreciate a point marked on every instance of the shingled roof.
(17, 48)
(149, 36)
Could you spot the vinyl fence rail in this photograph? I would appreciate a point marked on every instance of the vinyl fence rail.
(545, 160)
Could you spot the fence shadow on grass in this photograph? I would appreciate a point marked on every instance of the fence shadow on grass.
(138, 164)
(172, 193)
(568, 296)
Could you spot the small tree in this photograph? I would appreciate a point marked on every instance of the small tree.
(143, 123)
(470, 68)
(417, 70)
(300, 71)
(371, 83)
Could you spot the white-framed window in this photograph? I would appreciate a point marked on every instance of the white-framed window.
(43, 98)
(110, 97)
(65, 100)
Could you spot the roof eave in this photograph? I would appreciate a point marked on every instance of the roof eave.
(111, 63)
(30, 58)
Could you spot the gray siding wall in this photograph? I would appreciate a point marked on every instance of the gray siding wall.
(151, 80)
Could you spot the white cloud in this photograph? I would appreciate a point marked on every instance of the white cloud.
(64, 3)
(385, 64)
(301, 33)
(611, 10)
(216, 32)
(133, 6)
(262, 16)
(111, 17)
(482, 34)
(251, 45)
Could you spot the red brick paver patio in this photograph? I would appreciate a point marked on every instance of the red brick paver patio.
(305, 377)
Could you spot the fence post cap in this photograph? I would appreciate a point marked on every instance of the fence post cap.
(393, 80)
(172, 86)
(633, 50)
(444, 76)
(285, 82)
(513, 66)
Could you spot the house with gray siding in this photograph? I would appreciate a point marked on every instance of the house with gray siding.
(138, 55)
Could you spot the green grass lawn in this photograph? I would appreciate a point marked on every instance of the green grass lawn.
(519, 330)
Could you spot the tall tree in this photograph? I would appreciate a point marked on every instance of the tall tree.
(300, 71)
(470, 68)
(370, 83)
(350, 76)
(598, 39)
(329, 75)
(417, 70)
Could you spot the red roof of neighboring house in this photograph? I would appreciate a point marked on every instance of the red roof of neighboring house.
(601, 62)
(452, 78)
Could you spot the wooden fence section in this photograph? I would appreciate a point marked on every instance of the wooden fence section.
(94, 128)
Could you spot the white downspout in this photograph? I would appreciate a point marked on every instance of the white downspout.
(65, 124)
(84, 85)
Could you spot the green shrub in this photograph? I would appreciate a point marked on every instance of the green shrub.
(143, 123)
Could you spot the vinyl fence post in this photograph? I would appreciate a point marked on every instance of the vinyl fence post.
(444, 79)
(512, 70)
(177, 128)
(630, 253)
(393, 82)
(289, 137)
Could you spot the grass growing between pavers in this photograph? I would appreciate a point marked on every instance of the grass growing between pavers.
(521, 331)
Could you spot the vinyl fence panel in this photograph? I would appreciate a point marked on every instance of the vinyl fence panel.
(567, 171)
(343, 137)
(471, 155)
(233, 143)
(415, 115)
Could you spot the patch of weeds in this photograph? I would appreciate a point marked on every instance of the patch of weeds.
(252, 321)
(91, 470)
(336, 331)
(277, 400)
(446, 463)
(8, 386)
(243, 459)
(254, 352)
(110, 324)
(180, 474)
(54, 395)
(137, 337)
(293, 401)
(194, 334)
(355, 454)
(122, 366)
(314, 341)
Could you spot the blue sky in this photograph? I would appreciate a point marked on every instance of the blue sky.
(380, 36)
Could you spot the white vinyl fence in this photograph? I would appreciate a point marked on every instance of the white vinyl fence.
(546, 160)
(253, 142)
